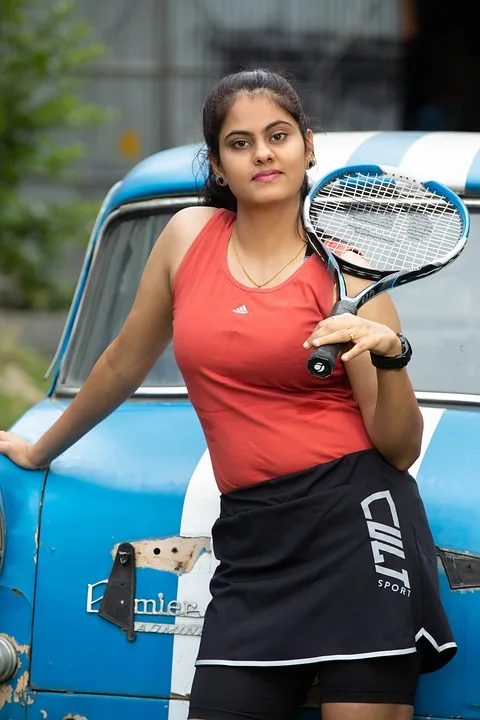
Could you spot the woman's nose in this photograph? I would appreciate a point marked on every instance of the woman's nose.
(263, 152)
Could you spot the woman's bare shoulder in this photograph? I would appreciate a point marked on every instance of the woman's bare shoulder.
(182, 230)
(191, 220)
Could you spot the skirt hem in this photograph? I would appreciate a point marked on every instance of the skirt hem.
(308, 661)
(327, 658)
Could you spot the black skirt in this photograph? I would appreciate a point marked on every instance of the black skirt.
(335, 562)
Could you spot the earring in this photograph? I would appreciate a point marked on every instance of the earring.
(220, 180)
(311, 163)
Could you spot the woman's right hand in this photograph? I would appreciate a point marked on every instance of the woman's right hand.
(18, 450)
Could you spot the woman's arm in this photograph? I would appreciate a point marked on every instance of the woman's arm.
(386, 398)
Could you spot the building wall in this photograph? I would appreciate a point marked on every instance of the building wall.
(164, 55)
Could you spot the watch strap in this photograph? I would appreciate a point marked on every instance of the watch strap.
(394, 362)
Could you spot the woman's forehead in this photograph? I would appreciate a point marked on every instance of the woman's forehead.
(253, 112)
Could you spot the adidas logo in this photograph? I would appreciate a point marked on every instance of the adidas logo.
(242, 310)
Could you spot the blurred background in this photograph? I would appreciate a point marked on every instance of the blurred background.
(89, 88)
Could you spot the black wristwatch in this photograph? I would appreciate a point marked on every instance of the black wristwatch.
(395, 362)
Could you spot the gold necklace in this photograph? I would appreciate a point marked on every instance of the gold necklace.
(260, 285)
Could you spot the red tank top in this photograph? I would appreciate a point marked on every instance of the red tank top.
(240, 350)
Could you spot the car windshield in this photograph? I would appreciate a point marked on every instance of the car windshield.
(438, 313)
(112, 286)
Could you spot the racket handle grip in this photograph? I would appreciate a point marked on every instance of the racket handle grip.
(321, 362)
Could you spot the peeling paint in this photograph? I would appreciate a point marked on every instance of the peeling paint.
(74, 717)
(43, 714)
(22, 693)
(177, 696)
(19, 693)
(172, 554)
(6, 692)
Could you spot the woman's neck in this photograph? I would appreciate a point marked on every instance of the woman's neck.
(263, 230)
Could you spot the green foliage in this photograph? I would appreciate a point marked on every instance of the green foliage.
(21, 379)
(44, 49)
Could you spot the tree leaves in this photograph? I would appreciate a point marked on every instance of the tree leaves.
(45, 49)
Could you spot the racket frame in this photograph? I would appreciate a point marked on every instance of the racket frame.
(382, 280)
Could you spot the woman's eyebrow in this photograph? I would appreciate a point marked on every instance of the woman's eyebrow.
(249, 134)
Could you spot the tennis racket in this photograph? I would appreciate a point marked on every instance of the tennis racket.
(403, 229)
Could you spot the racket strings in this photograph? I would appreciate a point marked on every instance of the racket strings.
(392, 222)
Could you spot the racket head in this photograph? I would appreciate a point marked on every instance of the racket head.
(395, 224)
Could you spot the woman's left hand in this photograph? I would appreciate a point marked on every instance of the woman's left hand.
(360, 334)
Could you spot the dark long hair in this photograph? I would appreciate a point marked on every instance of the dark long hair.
(215, 110)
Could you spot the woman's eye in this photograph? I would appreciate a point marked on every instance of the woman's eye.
(279, 136)
(240, 144)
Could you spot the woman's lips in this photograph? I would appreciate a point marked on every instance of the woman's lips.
(267, 176)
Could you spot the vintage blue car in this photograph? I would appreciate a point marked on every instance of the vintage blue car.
(106, 557)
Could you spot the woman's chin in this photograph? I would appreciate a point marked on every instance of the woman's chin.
(268, 197)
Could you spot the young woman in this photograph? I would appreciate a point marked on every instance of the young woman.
(327, 565)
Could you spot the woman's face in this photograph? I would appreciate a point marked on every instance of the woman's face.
(263, 156)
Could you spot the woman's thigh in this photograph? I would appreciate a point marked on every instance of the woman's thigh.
(221, 692)
(389, 680)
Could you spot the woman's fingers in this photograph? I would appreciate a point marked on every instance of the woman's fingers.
(358, 333)
(337, 327)
(16, 449)
(347, 335)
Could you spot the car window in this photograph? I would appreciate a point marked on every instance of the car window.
(111, 290)
(440, 318)
(438, 313)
